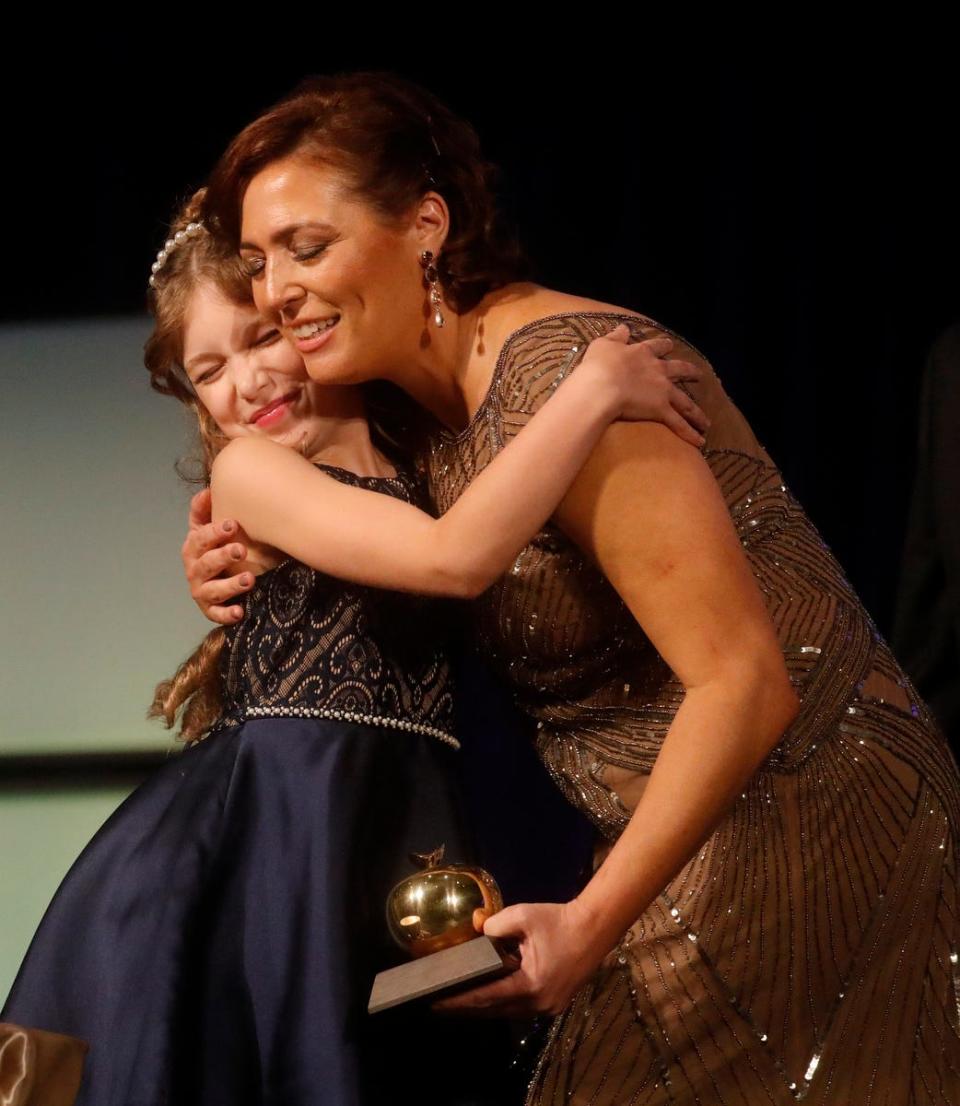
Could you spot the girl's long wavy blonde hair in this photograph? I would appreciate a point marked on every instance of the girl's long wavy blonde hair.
(194, 693)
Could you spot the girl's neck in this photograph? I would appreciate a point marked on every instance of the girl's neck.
(362, 460)
(347, 444)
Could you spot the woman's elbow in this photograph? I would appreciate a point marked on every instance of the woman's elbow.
(779, 702)
(473, 587)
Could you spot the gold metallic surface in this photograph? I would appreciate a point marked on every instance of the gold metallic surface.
(441, 906)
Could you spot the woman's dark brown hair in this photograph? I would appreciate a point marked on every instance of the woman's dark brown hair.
(394, 141)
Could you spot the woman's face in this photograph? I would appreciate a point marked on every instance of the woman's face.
(344, 286)
(249, 379)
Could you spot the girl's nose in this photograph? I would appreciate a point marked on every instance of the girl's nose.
(250, 376)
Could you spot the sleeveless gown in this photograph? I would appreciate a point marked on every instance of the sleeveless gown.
(809, 950)
(216, 941)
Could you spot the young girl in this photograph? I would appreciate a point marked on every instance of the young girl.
(216, 941)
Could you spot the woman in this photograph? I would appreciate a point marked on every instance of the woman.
(216, 941)
(777, 809)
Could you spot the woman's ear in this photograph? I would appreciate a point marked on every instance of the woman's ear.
(431, 222)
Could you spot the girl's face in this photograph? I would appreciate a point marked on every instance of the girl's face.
(343, 285)
(251, 380)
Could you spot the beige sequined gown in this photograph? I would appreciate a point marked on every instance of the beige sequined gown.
(809, 949)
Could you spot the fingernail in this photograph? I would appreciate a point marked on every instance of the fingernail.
(228, 527)
(236, 553)
(244, 581)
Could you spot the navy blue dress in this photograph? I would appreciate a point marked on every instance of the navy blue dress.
(216, 941)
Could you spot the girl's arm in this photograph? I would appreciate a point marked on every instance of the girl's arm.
(282, 500)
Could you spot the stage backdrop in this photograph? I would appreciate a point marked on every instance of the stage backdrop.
(94, 608)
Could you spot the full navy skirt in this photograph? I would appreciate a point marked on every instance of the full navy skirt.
(216, 941)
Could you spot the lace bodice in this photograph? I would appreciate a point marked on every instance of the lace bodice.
(314, 646)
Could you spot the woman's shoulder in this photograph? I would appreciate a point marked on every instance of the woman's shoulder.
(529, 317)
(521, 306)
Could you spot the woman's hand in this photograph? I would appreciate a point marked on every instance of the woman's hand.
(558, 953)
(209, 552)
(646, 383)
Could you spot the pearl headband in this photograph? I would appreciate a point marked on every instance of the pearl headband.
(191, 230)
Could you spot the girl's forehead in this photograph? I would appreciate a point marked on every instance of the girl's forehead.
(211, 317)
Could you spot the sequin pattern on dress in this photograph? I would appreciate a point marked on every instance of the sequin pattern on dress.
(809, 950)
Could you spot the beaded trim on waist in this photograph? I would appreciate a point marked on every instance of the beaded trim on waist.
(285, 711)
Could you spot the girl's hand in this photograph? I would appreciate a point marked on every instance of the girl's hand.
(646, 383)
(558, 954)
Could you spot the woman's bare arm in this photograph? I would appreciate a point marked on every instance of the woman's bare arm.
(648, 510)
(355, 534)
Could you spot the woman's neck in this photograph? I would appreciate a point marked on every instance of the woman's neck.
(451, 373)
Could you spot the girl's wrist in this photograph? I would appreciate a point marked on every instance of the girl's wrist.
(598, 391)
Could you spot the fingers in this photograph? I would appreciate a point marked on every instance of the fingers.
(200, 542)
(213, 598)
(200, 509)
(659, 346)
(683, 372)
(689, 409)
(219, 592)
(225, 616)
(620, 333)
(212, 589)
(679, 425)
(508, 922)
(489, 999)
(222, 561)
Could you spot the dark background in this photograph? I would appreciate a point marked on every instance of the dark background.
(796, 220)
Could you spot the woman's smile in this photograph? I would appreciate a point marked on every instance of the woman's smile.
(310, 336)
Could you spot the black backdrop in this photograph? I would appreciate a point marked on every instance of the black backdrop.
(797, 221)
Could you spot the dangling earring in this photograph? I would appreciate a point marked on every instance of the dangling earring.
(433, 280)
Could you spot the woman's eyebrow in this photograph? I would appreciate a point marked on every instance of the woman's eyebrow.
(284, 233)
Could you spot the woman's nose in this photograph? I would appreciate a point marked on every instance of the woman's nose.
(279, 291)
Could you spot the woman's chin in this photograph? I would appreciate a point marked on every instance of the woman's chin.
(335, 371)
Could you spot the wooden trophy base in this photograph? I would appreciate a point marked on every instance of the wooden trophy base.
(472, 962)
